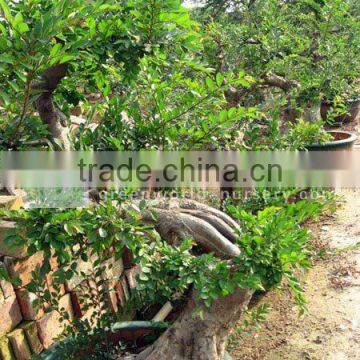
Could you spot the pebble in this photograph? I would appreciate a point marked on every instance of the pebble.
(318, 340)
(306, 355)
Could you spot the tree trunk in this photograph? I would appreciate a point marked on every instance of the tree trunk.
(196, 335)
(199, 338)
(48, 112)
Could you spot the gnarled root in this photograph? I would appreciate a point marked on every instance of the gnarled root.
(183, 219)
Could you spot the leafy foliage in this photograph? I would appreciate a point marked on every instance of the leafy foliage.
(306, 133)
(273, 246)
(175, 105)
(148, 76)
(101, 41)
(306, 41)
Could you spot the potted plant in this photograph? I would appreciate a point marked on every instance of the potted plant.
(312, 136)
(340, 140)
(340, 111)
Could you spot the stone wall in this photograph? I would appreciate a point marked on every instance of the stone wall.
(26, 328)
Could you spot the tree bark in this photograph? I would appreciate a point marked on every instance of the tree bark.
(280, 82)
(182, 219)
(48, 112)
(199, 338)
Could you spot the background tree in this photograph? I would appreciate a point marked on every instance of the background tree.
(300, 49)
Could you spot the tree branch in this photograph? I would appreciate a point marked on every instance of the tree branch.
(280, 82)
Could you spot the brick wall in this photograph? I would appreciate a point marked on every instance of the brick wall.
(26, 327)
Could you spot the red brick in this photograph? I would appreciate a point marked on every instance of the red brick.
(30, 308)
(120, 294)
(79, 298)
(125, 287)
(112, 301)
(32, 336)
(65, 305)
(85, 267)
(6, 351)
(92, 316)
(10, 315)
(83, 306)
(6, 287)
(96, 294)
(20, 345)
(76, 304)
(18, 252)
(23, 268)
(58, 289)
(50, 326)
(114, 269)
(131, 277)
(53, 262)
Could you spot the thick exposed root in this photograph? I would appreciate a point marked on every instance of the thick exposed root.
(188, 204)
(175, 225)
(220, 225)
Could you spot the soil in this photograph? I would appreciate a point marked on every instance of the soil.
(354, 127)
(331, 328)
(340, 136)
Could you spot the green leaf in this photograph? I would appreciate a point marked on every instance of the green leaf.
(66, 58)
(14, 85)
(219, 79)
(19, 24)
(3, 29)
(6, 10)
(79, 44)
(102, 232)
(8, 59)
(18, 19)
(38, 28)
(231, 113)
(55, 49)
(223, 115)
(22, 28)
(210, 84)
(5, 97)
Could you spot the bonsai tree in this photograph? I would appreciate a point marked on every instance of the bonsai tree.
(189, 252)
(140, 60)
(54, 53)
(297, 49)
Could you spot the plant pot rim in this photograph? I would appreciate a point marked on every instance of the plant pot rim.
(347, 142)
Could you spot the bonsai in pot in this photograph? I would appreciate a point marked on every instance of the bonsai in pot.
(313, 136)
(339, 112)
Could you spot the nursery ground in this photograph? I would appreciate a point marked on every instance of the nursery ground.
(331, 328)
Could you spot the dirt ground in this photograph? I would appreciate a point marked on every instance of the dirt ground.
(331, 328)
